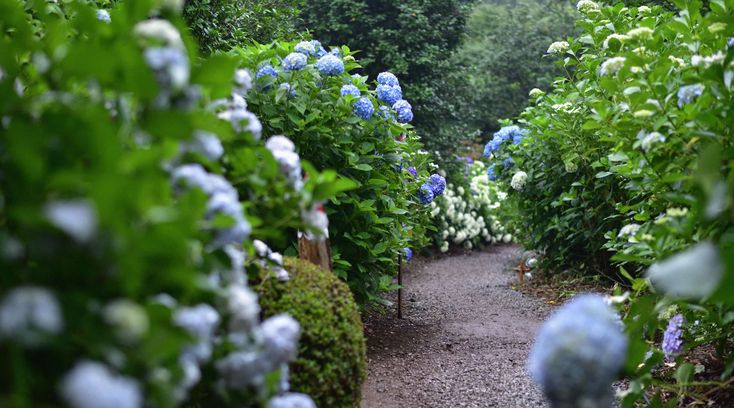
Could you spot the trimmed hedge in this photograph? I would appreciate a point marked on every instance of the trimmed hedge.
(331, 363)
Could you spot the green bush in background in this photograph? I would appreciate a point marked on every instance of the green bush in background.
(220, 25)
(331, 364)
(372, 223)
(501, 59)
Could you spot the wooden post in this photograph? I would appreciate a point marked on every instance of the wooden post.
(317, 251)
(400, 284)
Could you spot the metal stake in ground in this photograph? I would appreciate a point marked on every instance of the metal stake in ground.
(400, 286)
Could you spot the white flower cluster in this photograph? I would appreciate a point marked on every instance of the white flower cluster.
(284, 152)
(469, 222)
(558, 47)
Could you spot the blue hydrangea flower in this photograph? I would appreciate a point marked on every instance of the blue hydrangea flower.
(386, 113)
(408, 254)
(104, 16)
(413, 171)
(508, 163)
(290, 90)
(425, 194)
(295, 61)
(730, 43)
(405, 116)
(686, 94)
(404, 110)
(389, 94)
(438, 184)
(578, 353)
(491, 173)
(672, 338)
(518, 136)
(330, 65)
(363, 108)
(266, 70)
(336, 52)
(350, 90)
(306, 47)
(320, 51)
(387, 78)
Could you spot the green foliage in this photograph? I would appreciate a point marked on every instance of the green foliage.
(502, 58)
(627, 165)
(220, 25)
(93, 128)
(370, 224)
(331, 364)
(412, 38)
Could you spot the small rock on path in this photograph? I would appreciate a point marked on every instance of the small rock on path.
(464, 339)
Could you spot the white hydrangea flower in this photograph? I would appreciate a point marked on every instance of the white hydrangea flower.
(200, 321)
(243, 308)
(587, 6)
(243, 82)
(205, 143)
(612, 66)
(629, 231)
(647, 140)
(284, 152)
(643, 9)
(619, 37)
(28, 313)
(642, 33)
(698, 60)
(535, 92)
(292, 400)
(77, 218)
(159, 31)
(279, 335)
(558, 47)
(128, 318)
(93, 385)
(518, 180)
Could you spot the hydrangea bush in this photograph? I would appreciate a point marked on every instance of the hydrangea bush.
(132, 192)
(356, 125)
(626, 170)
(469, 217)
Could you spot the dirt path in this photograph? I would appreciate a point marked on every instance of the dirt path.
(464, 340)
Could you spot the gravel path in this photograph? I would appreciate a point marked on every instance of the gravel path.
(464, 339)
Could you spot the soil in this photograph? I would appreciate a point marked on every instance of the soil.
(464, 338)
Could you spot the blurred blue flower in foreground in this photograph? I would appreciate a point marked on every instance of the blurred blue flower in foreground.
(578, 353)
(686, 94)
(692, 274)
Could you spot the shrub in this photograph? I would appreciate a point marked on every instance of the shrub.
(331, 353)
(124, 236)
(626, 166)
(365, 138)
